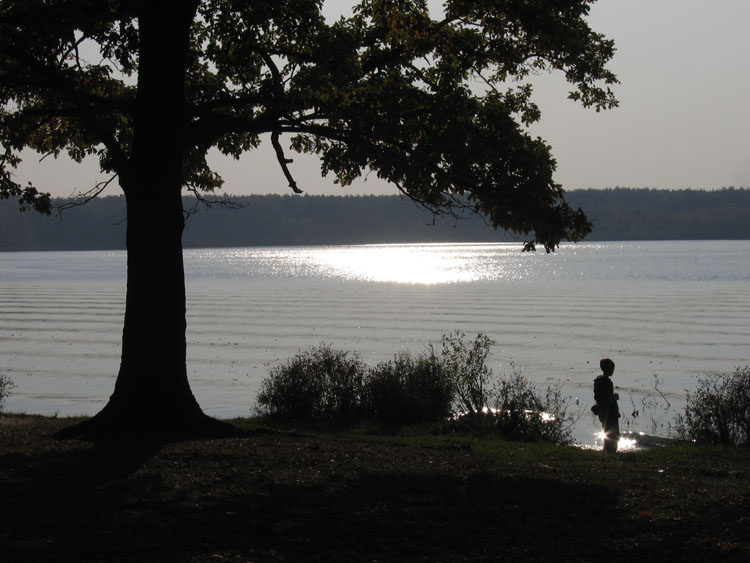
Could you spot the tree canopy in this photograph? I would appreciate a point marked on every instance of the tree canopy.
(436, 102)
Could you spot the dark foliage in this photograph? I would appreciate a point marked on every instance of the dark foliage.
(453, 390)
(718, 411)
(355, 92)
(511, 406)
(465, 364)
(6, 384)
(521, 411)
(408, 390)
(321, 384)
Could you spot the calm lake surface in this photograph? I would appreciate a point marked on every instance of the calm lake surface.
(666, 312)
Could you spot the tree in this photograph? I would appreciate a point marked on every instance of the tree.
(434, 103)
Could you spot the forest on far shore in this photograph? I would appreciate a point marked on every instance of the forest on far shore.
(289, 220)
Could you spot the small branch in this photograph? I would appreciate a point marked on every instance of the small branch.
(283, 161)
(78, 54)
(421, 75)
(202, 200)
(656, 387)
(437, 209)
(487, 82)
(84, 197)
(45, 155)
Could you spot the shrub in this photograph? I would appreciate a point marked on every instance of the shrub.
(465, 366)
(6, 384)
(718, 411)
(408, 390)
(520, 411)
(318, 385)
(454, 387)
(511, 406)
(523, 411)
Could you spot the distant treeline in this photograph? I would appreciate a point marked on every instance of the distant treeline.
(286, 220)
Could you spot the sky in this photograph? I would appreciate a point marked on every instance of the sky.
(683, 120)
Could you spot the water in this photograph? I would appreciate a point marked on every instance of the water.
(666, 312)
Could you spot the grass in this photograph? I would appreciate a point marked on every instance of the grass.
(283, 495)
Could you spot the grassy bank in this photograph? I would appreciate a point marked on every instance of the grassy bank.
(290, 496)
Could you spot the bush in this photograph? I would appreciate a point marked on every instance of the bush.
(511, 406)
(319, 385)
(718, 411)
(519, 411)
(464, 365)
(408, 390)
(522, 411)
(6, 384)
(454, 387)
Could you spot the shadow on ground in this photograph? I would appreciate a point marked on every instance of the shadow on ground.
(278, 499)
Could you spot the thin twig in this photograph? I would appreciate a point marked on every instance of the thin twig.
(85, 197)
(200, 199)
(656, 387)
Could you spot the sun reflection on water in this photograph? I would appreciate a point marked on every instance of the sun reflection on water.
(626, 443)
(400, 265)
(418, 264)
(410, 264)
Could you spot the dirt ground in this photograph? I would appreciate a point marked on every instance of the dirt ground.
(280, 496)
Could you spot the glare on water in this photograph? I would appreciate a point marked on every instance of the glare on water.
(419, 264)
(626, 443)
(397, 263)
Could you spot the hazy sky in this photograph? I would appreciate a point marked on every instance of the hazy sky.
(683, 119)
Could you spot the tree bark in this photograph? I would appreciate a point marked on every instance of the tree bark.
(152, 393)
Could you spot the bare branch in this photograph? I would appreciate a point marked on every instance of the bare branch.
(283, 161)
(200, 199)
(45, 155)
(85, 197)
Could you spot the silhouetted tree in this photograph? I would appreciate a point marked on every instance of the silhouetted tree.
(435, 105)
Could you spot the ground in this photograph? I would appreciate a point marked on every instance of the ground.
(290, 496)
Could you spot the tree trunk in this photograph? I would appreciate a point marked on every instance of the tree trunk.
(152, 393)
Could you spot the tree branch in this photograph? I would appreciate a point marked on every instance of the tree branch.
(283, 161)
(84, 197)
(278, 94)
(200, 199)
(212, 126)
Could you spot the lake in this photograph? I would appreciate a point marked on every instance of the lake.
(665, 312)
